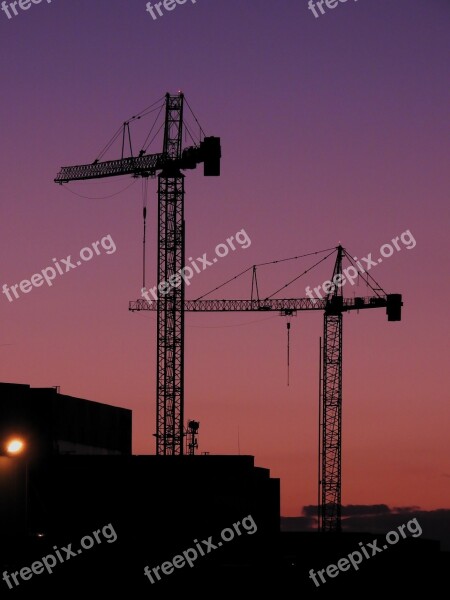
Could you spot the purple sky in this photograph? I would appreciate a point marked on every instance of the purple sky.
(333, 129)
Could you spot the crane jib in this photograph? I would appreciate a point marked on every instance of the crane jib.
(209, 153)
(392, 303)
(139, 165)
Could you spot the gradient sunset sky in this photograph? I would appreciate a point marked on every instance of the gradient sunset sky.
(334, 129)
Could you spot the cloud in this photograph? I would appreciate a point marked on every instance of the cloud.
(405, 509)
(379, 518)
(352, 509)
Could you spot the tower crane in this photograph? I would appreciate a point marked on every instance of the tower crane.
(334, 305)
(169, 165)
(171, 306)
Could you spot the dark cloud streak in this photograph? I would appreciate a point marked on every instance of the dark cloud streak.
(379, 518)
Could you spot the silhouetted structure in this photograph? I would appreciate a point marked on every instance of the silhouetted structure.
(52, 423)
(334, 306)
(192, 437)
(171, 251)
(158, 507)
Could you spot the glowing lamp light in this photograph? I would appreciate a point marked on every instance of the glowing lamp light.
(15, 446)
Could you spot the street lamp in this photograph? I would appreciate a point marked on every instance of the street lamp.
(15, 446)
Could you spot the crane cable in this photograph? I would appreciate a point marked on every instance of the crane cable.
(98, 197)
(196, 120)
(288, 325)
(138, 116)
(144, 214)
(272, 263)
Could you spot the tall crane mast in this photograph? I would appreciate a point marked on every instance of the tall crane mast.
(170, 314)
(171, 253)
(334, 305)
(330, 408)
